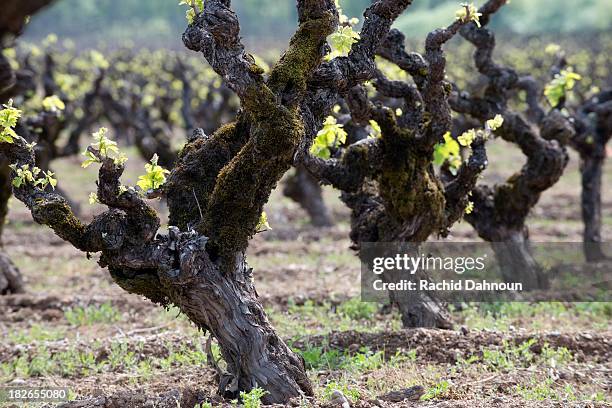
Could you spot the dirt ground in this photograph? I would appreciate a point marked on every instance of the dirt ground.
(75, 329)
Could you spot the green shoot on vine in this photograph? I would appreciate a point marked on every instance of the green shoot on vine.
(467, 138)
(495, 123)
(53, 104)
(263, 224)
(106, 147)
(9, 116)
(26, 175)
(375, 132)
(556, 89)
(195, 7)
(467, 13)
(449, 150)
(155, 176)
(343, 39)
(330, 136)
(93, 198)
(469, 208)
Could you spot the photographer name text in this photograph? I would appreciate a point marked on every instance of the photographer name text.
(447, 286)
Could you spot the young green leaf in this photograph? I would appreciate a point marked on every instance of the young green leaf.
(376, 132)
(556, 89)
(9, 116)
(155, 176)
(342, 41)
(467, 13)
(262, 224)
(195, 7)
(448, 151)
(93, 198)
(467, 138)
(495, 123)
(53, 104)
(106, 148)
(331, 135)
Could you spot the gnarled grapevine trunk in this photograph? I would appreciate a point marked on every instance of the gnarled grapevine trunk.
(500, 211)
(228, 306)
(591, 169)
(12, 21)
(305, 190)
(594, 130)
(516, 261)
(388, 181)
(417, 309)
(225, 303)
(10, 277)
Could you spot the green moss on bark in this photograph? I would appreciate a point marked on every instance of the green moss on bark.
(303, 55)
(245, 184)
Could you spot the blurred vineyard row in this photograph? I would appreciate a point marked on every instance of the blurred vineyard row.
(157, 97)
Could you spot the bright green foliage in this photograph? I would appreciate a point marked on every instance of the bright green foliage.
(467, 138)
(53, 104)
(342, 40)
(375, 132)
(330, 136)
(9, 116)
(107, 148)
(49, 40)
(25, 175)
(467, 13)
(355, 309)
(556, 89)
(469, 208)
(195, 6)
(87, 316)
(98, 59)
(495, 123)
(155, 177)
(263, 224)
(552, 48)
(448, 151)
(93, 198)
(252, 399)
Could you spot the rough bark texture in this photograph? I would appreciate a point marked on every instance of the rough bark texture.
(305, 190)
(12, 21)
(215, 194)
(594, 131)
(500, 211)
(389, 183)
(10, 277)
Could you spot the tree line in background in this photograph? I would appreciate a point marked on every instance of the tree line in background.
(161, 21)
